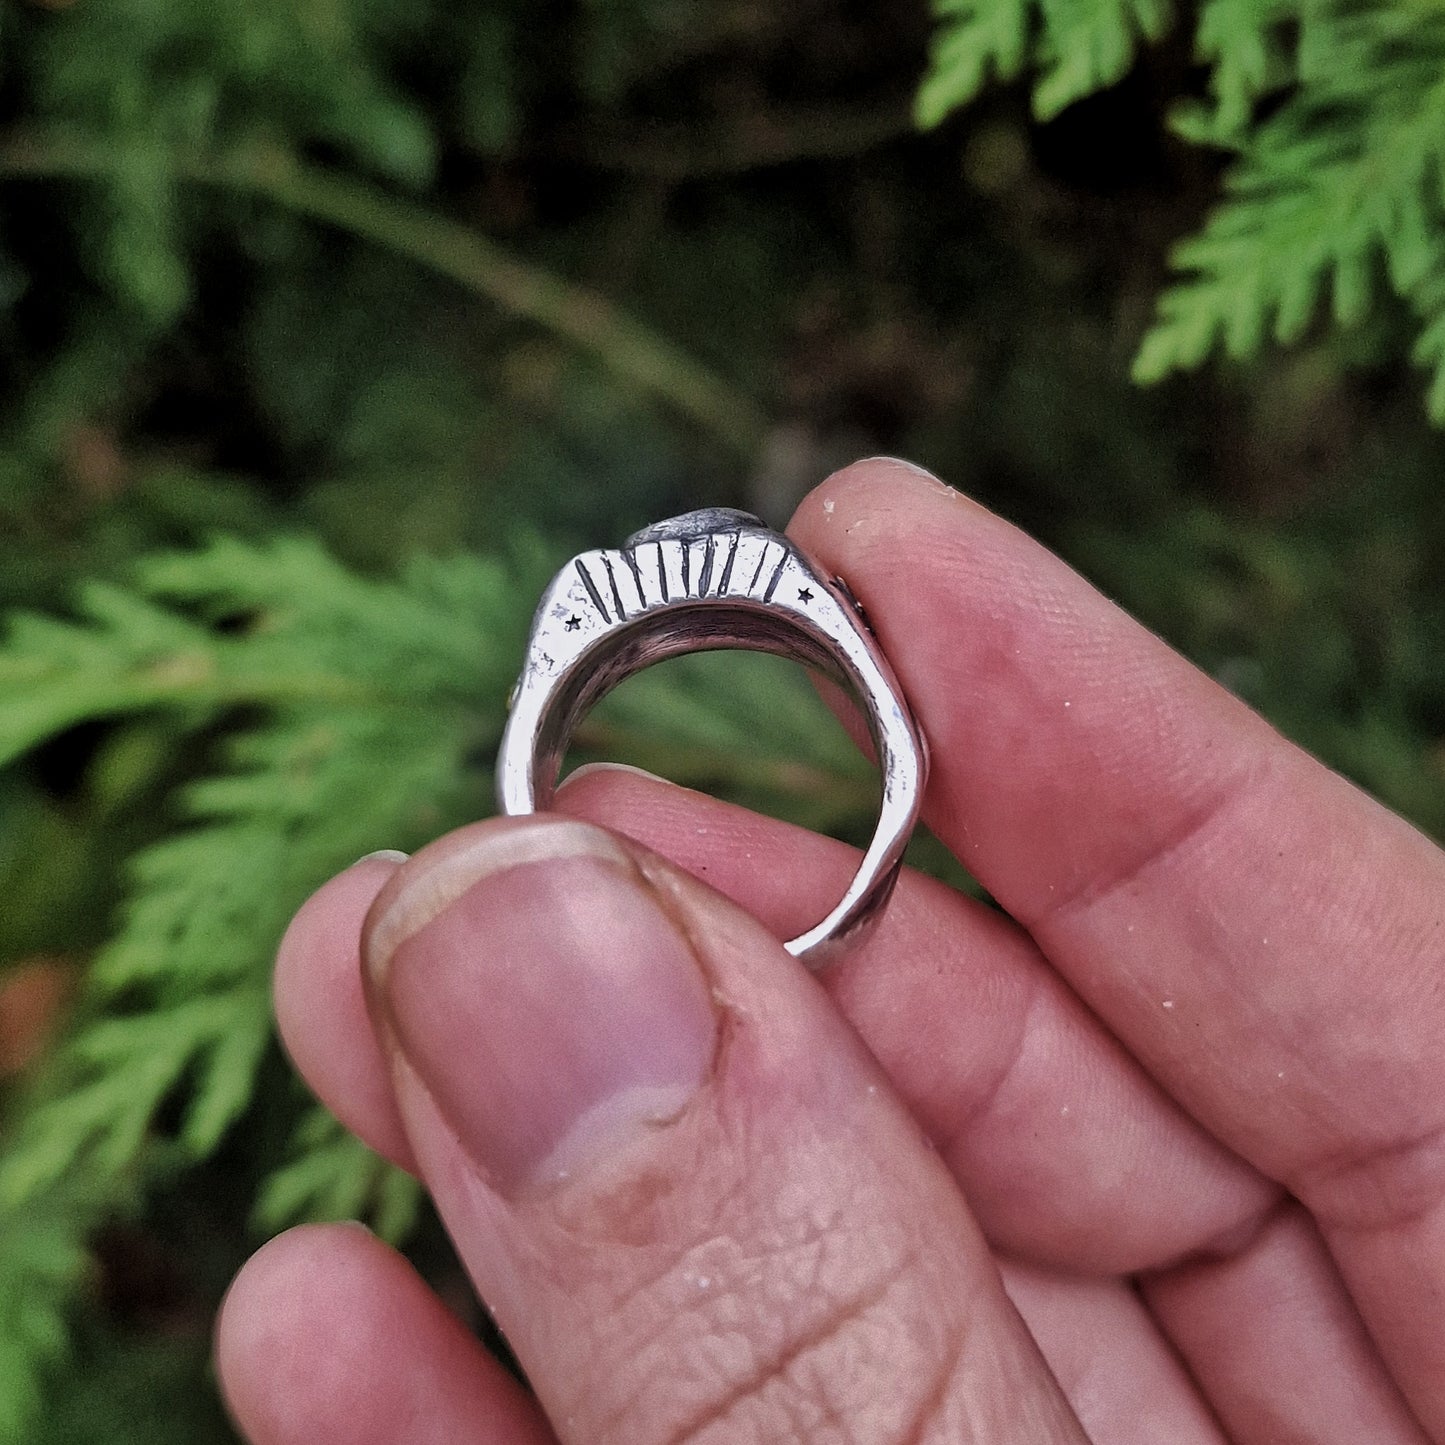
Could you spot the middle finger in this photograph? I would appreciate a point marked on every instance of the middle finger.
(1068, 1151)
(951, 1001)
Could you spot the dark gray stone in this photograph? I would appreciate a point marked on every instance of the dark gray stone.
(694, 524)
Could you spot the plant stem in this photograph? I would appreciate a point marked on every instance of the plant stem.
(624, 345)
(686, 153)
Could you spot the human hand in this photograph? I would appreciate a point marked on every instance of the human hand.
(1182, 1110)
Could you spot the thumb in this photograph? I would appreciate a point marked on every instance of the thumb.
(676, 1177)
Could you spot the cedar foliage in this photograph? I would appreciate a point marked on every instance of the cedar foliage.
(1334, 115)
(327, 329)
(370, 706)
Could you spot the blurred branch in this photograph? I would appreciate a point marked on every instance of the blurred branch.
(684, 153)
(685, 762)
(585, 318)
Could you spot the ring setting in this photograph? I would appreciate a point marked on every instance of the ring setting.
(712, 579)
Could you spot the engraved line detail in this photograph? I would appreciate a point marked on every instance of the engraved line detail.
(727, 571)
(776, 577)
(592, 591)
(662, 571)
(630, 557)
(686, 567)
(762, 557)
(709, 552)
(612, 582)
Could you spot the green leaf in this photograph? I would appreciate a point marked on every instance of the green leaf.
(332, 1175)
(1428, 303)
(1089, 44)
(366, 699)
(1336, 191)
(117, 1072)
(1080, 46)
(1235, 39)
(43, 1260)
(366, 705)
(975, 39)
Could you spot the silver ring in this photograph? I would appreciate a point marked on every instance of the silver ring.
(711, 579)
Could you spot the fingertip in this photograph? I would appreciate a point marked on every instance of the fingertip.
(905, 542)
(265, 1290)
(863, 489)
(321, 1008)
(606, 769)
(296, 1286)
(329, 1334)
(325, 914)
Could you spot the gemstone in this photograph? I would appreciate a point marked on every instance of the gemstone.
(694, 524)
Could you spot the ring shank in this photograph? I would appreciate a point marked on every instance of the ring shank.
(556, 691)
(629, 650)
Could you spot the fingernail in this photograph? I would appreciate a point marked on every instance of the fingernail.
(587, 769)
(544, 998)
(384, 855)
(914, 468)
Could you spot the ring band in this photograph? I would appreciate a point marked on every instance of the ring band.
(711, 579)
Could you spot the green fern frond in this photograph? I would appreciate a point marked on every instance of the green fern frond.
(976, 40)
(348, 760)
(124, 656)
(1340, 186)
(208, 76)
(1089, 44)
(1335, 113)
(118, 1071)
(43, 1261)
(1428, 303)
(1238, 40)
(1078, 46)
(374, 698)
(370, 708)
(332, 1175)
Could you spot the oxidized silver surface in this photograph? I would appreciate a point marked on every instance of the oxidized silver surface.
(715, 578)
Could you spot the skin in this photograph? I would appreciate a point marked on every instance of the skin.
(1156, 1153)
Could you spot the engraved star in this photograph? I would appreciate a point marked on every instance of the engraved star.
(805, 594)
(573, 623)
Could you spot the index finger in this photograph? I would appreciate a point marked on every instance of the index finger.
(1263, 936)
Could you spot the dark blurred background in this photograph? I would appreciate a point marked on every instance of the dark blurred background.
(426, 279)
